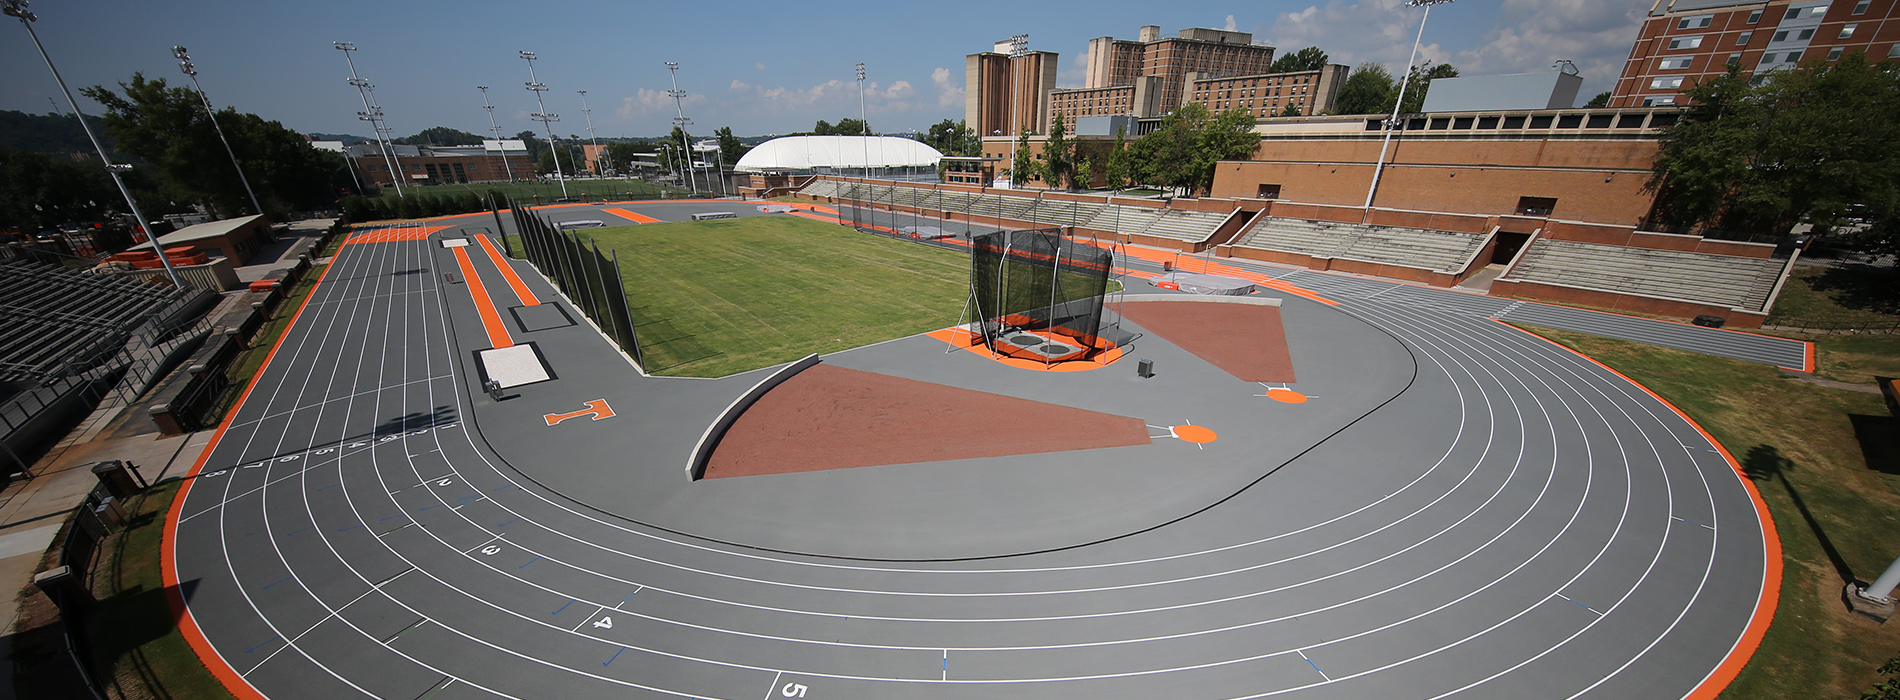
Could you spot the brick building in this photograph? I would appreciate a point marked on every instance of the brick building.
(1577, 164)
(1005, 92)
(1269, 94)
(1685, 42)
(1206, 53)
(440, 165)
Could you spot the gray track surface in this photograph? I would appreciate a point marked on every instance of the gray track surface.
(1516, 522)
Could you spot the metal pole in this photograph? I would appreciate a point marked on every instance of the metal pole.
(864, 125)
(370, 114)
(184, 64)
(1378, 168)
(681, 121)
(589, 114)
(495, 127)
(547, 120)
(1882, 588)
(17, 8)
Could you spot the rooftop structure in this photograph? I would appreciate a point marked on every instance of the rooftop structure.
(806, 153)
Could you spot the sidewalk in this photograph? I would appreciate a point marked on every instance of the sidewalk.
(33, 510)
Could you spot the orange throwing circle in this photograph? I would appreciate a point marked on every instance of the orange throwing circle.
(1194, 433)
(1286, 396)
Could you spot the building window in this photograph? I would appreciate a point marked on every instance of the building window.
(1835, 54)
(1662, 101)
(1780, 36)
(1696, 22)
(1742, 38)
(1686, 42)
(1894, 51)
(1536, 206)
(1754, 17)
(1860, 8)
(1848, 31)
(1665, 83)
(1269, 192)
(1672, 64)
(1735, 59)
(1768, 58)
(1805, 35)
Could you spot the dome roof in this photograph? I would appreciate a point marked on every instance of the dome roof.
(808, 152)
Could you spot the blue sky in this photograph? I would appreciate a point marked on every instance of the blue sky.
(757, 67)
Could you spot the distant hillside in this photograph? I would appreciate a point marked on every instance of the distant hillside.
(48, 133)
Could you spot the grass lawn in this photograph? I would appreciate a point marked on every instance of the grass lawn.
(714, 298)
(1839, 295)
(136, 649)
(549, 191)
(1827, 461)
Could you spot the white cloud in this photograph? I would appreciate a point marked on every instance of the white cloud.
(737, 86)
(950, 92)
(1232, 25)
(1077, 74)
(1527, 37)
(878, 98)
(648, 101)
(760, 66)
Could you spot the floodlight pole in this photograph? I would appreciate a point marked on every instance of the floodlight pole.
(547, 120)
(679, 109)
(371, 114)
(495, 127)
(864, 124)
(599, 155)
(17, 8)
(1378, 168)
(184, 64)
(1018, 48)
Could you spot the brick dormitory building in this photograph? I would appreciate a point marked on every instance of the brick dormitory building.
(1685, 42)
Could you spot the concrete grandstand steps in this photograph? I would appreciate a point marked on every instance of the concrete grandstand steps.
(1191, 226)
(1125, 220)
(1307, 237)
(820, 188)
(1725, 280)
(1444, 251)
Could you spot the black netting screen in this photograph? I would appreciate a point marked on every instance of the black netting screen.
(1038, 281)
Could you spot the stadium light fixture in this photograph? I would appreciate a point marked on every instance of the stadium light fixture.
(1378, 168)
(686, 149)
(547, 120)
(184, 64)
(599, 155)
(17, 9)
(496, 127)
(372, 114)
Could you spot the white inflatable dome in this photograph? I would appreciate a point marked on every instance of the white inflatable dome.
(808, 152)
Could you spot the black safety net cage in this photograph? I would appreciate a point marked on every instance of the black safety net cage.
(1037, 280)
(588, 277)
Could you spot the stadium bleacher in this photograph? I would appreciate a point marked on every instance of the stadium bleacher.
(1173, 224)
(1439, 251)
(56, 316)
(1727, 280)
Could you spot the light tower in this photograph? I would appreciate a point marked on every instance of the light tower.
(17, 8)
(1378, 168)
(372, 114)
(864, 124)
(492, 126)
(589, 114)
(681, 121)
(547, 121)
(184, 64)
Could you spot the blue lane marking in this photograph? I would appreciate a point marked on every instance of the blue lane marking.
(506, 524)
(464, 498)
(293, 532)
(267, 587)
(331, 486)
(427, 507)
(1580, 605)
(498, 488)
(393, 517)
(1315, 666)
(564, 607)
(352, 527)
(536, 558)
(260, 646)
(609, 661)
(623, 601)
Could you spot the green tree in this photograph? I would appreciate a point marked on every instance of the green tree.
(1309, 58)
(533, 142)
(168, 129)
(1121, 162)
(38, 191)
(440, 136)
(1367, 90)
(1818, 144)
(730, 149)
(1601, 100)
(953, 138)
(570, 161)
(1182, 152)
(1292, 110)
(1888, 689)
(672, 150)
(850, 127)
(1024, 168)
(1058, 155)
(822, 128)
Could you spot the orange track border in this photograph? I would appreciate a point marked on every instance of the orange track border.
(1744, 649)
(522, 292)
(484, 306)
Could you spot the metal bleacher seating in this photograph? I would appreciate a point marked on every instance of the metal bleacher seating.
(1726, 280)
(57, 318)
(1442, 251)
